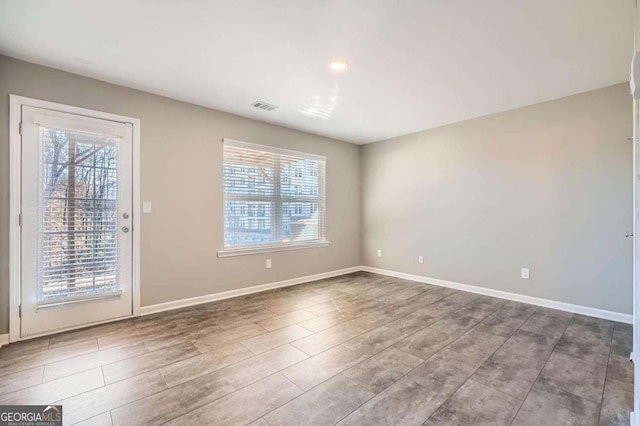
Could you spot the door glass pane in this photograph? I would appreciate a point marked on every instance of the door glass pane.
(78, 214)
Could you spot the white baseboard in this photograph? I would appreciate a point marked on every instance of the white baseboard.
(577, 309)
(182, 303)
(583, 310)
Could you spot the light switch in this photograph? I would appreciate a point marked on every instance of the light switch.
(146, 207)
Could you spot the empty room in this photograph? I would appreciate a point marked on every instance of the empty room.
(364, 212)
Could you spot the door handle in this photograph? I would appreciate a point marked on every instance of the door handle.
(627, 235)
(125, 229)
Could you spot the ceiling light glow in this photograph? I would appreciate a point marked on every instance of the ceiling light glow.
(338, 65)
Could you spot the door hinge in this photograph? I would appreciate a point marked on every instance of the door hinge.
(19, 219)
(20, 311)
(20, 128)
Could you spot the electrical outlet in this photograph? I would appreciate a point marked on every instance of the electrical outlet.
(524, 273)
(379, 253)
(268, 263)
(420, 259)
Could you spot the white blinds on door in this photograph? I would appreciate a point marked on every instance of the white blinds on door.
(77, 215)
(272, 196)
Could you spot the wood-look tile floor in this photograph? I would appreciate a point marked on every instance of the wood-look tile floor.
(357, 349)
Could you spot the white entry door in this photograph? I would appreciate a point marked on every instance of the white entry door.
(76, 220)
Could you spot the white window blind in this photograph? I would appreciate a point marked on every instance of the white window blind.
(78, 205)
(272, 197)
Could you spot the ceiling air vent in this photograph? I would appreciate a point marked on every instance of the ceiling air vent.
(263, 105)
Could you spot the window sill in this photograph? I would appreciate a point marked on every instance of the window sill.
(268, 249)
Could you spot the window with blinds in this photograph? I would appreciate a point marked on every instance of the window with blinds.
(272, 197)
(78, 204)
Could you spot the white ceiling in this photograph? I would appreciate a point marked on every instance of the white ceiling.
(415, 64)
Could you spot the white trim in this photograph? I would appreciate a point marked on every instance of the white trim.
(136, 218)
(277, 201)
(271, 248)
(63, 330)
(182, 303)
(634, 416)
(568, 307)
(84, 124)
(15, 116)
(272, 149)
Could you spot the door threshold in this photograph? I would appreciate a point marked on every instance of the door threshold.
(75, 327)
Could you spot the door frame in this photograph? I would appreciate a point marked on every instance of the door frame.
(635, 354)
(635, 350)
(15, 176)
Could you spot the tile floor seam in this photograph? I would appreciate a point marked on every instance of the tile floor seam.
(339, 344)
(425, 291)
(105, 365)
(47, 363)
(116, 407)
(74, 342)
(542, 369)
(209, 402)
(44, 368)
(104, 382)
(32, 386)
(195, 341)
(329, 378)
(368, 357)
(359, 300)
(112, 408)
(581, 360)
(226, 366)
(424, 361)
(474, 371)
(360, 362)
(387, 387)
(287, 325)
(164, 379)
(291, 381)
(606, 374)
(145, 354)
(262, 416)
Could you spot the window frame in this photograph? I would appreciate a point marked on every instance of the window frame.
(277, 202)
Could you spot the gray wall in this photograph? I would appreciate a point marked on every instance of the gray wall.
(548, 187)
(181, 174)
